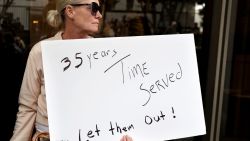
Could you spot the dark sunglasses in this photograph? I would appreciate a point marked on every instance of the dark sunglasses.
(93, 6)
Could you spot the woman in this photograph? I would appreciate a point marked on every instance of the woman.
(79, 19)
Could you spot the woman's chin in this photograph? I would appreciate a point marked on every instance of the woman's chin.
(95, 31)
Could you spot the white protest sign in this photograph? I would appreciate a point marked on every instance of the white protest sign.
(144, 86)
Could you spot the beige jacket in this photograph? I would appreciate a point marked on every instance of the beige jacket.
(32, 103)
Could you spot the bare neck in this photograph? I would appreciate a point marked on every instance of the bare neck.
(70, 33)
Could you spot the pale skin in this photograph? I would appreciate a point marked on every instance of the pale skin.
(126, 138)
(79, 24)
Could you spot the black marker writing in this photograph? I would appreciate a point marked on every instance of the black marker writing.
(89, 56)
(90, 133)
(120, 129)
(80, 135)
(160, 84)
(149, 94)
(173, 112)
(79, 58)
(114, 53)
(117, 63)
(150, 119)
(158, 117)
(133, 71)
(66, 60)
(101, 54)
(138, 69)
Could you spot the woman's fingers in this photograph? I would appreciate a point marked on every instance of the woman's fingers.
(126, 138)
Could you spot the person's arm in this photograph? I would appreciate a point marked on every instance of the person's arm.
(28, 96)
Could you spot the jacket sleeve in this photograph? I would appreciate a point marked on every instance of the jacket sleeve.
(29, 92)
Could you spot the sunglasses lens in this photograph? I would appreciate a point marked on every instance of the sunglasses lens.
(95, 8)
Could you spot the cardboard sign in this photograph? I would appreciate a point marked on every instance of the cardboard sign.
(144, 86)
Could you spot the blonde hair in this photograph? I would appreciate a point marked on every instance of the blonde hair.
(55, 17)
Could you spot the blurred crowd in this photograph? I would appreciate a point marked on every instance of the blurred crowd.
(13, 53)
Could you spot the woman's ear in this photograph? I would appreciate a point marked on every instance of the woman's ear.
(69, 11)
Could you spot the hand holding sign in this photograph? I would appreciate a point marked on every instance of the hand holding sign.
(147, 87)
